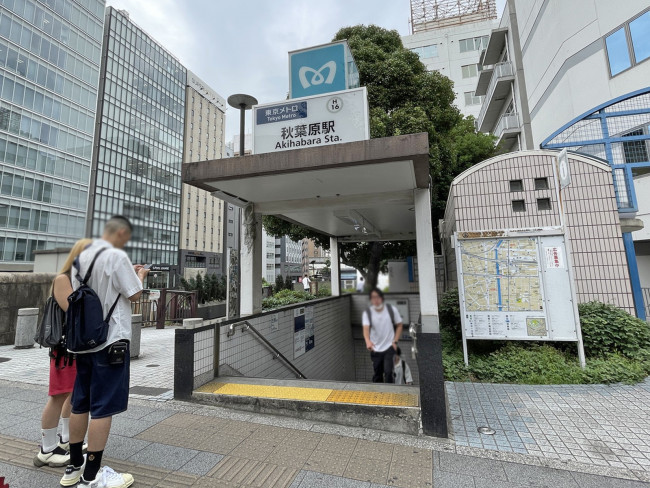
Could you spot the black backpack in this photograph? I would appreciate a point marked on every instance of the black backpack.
(50, 329)
(391, 312)
(86, 327)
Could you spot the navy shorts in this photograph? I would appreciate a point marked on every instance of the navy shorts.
(100, 388)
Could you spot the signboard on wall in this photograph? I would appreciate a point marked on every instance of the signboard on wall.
(515, 288)
(321, 120)
(303, 331)
(322, 69)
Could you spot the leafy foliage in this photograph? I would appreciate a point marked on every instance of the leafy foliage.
(288, 283)
(607, 329)
(324, 291)
(286, 297)
(208, 289)
(279, 284)
(404, 98)
(617, 346)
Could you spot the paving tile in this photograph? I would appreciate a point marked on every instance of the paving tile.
(202, 463)
(591, 481)
(120, 447)
(162, 456)
(472, 466)
(327, 462)
(524, 474)
(409, 475)
(443, 479)
(289, 456)
(374, 450)
(413, 455)
(312, 479)
(252, 473)
(338, 444)
(364, 469)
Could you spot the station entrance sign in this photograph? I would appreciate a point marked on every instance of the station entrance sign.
(321, 120)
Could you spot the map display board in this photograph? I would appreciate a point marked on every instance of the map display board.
(515, 287)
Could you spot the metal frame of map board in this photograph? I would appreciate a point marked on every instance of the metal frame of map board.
(557, 318)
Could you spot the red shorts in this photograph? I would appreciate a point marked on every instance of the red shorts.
(62, 379)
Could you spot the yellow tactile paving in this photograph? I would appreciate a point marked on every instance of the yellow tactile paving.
(312, 394)
(373, 398)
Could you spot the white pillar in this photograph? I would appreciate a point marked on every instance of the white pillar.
(426, 265)
(251, 263)
(335, 267)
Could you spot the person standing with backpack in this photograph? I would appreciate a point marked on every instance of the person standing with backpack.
(99, 332)
(382, 328)
(54, 447)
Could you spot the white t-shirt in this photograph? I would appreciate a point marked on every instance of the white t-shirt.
(113, 274)
(360, 285)
(305, 283)
(382, 331)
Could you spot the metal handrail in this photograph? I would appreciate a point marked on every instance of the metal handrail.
(277, 354)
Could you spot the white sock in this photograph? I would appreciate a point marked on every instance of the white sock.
(50, 440)
(65, 430)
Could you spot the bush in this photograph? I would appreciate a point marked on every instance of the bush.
(324, 291)
(286, 297)
(607, 329)
(288, 283)
(207, 289)
(279, 284)
(449, 313)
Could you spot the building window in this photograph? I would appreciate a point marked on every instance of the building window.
(518, 206)
(543, 204)
(469, 70)
(629, 44)
(473, 44)
(471, 99)
(640, 35)
(516, 185)
(541, 183)
(425, 52)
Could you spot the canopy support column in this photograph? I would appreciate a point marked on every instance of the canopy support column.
(335, 266)
(251, 263)
(432, 382)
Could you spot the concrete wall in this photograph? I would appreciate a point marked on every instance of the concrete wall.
(481, 200)
(332, 357)
(20, 290)
(362, 363)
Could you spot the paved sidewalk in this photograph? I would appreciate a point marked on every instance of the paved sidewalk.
(175, 444)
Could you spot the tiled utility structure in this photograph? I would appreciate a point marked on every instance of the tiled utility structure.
(517, 191)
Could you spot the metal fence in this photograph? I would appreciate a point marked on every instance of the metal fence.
(165, 307)
(646, 302)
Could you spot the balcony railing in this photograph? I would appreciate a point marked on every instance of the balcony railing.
(507, 121)
(501, 70)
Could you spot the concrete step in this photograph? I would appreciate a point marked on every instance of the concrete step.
(375, 406)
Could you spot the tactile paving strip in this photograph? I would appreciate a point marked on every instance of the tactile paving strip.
(312, 394)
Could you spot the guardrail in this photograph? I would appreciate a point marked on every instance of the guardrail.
(507, 121)
(500, 70)
(159, 307)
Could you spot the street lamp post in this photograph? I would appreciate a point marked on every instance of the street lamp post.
(243, 103)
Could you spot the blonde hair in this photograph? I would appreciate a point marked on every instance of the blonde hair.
(78, 247)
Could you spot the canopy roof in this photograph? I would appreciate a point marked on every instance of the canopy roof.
(358, 191)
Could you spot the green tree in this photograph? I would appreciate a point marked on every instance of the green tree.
(279, 284)
(404, 98)
(200, 288)
(288, 283)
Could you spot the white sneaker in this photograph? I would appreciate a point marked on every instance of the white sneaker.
(107, 478)
(73, 475)
(56, 458)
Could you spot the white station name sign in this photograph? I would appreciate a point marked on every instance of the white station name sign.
(321, 120)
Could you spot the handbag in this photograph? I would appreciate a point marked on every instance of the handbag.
(50, 330)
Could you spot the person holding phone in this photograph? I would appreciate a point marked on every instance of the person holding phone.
(101, 388)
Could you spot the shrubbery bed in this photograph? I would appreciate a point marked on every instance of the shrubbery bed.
(617, 346)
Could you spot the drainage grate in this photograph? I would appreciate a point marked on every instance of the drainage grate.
(152, 365)
(148, 390)
(486, 430)
(4, 360)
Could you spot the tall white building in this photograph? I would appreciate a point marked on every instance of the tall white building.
(449, 39)
(576, 75)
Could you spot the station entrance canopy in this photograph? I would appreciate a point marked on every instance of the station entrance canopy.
(370, 190)
(359, 191)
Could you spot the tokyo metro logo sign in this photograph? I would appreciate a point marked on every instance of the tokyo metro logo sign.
(317, 77)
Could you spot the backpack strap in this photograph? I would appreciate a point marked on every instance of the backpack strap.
(404, 371)
(391, 312)
(92, 265)
(110, 312)
(369, 317)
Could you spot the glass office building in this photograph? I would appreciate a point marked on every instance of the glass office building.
(50, 53)
(139, 142)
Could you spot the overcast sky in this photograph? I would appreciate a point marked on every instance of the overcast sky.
(241, 46)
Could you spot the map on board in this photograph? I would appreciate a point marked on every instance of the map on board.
(501, 275)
